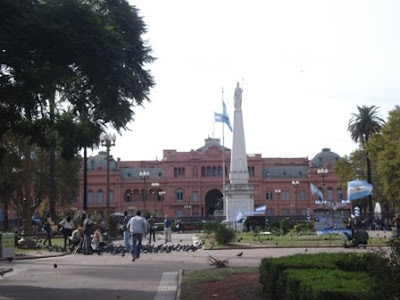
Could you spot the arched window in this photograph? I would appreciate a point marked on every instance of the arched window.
(179, 194)
(329, 194)
(90, 197)
(219, 171)
(111, 196)
(285, 195)
(302, 195)
(100, 196)
(340, 194)
(209, 172)
(203, 171)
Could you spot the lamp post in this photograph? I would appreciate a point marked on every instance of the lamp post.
(323, 173)
(278, 192)
(295, 184)
(162, 195)
(156, 186)
(144, 175)
(108, 140)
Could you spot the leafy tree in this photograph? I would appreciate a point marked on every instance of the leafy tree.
(362, 126)
(385, 150)
(90, 52)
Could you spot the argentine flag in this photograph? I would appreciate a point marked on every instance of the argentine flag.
(224, 118)
(358, 189)
(316, 191)
(261, 208)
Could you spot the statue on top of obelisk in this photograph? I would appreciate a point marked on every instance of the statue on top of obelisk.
(238, 97)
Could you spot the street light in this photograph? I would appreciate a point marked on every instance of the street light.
(144, 175)
(156, 186)
(323, 173)
(162, 195)
(295, 184)
(108, 140)
(278, 192)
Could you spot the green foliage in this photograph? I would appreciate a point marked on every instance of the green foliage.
(306, 227)
(284, 226)
(224, 235)
(90, 52)
(272, 269)
(210, 226)
(385, 151)
(326, 284)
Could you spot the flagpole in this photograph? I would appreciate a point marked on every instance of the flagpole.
(223, 160)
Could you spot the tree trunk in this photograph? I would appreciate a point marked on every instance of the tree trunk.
(369, 179)
(53, 193)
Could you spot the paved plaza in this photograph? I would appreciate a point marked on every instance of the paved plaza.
(111, 276)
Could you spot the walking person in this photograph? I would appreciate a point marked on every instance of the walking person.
(126, 233)
(88, 225)
(137, 227)
(167, 229)
(48, 223)
(67, 226)
(152, 228)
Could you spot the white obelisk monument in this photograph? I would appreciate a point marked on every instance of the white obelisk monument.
(238, 193)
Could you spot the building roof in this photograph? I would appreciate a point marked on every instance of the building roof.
(325, 159)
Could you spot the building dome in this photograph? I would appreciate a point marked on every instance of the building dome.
(325, 159)
(99, 162)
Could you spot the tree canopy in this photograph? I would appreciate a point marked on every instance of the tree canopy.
(90, 52)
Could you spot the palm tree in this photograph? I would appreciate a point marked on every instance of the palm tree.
(361, 127)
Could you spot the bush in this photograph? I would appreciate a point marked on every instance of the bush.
(272, 269)
(224, 235)
(326, 284)
(284, 226)
(210, 226)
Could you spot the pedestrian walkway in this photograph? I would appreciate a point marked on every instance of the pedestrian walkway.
(168, 287)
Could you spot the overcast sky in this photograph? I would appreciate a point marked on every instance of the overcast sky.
(305, 66)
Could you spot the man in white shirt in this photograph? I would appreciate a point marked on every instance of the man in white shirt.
(137, 227)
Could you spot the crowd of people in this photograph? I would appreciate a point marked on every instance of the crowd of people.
(89, 238)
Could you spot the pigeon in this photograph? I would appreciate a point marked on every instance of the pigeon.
(240, 254)
(55, 266)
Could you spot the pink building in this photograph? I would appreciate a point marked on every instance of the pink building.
(190, 184)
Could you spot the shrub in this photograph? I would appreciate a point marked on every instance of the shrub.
(326, 284)
(210, 226)
(224, 235)
(285, 226)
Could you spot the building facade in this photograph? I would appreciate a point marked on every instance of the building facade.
(191, 184)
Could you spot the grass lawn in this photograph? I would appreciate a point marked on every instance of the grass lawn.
(249, 239)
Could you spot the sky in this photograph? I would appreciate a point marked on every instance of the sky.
(304, 67)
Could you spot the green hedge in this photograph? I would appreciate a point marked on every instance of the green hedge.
(315, 284)
(275, 282)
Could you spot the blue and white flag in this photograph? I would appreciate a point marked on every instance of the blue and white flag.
(261, 208)
(358, 189)
(224, 118)
(316, 191)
